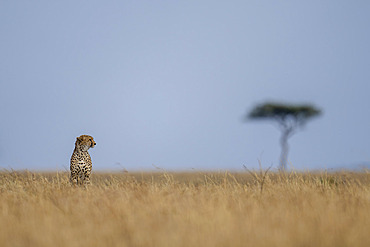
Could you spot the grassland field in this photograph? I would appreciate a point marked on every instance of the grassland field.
(255, 208)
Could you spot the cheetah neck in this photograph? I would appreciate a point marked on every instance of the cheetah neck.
(80, 150)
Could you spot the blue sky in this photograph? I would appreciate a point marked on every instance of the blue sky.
(169, 82)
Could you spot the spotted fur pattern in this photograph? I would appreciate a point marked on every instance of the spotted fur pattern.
(81, 164)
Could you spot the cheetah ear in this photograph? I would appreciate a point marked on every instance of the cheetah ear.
(78, 139)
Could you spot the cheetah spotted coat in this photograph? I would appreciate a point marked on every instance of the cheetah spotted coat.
(81, 164)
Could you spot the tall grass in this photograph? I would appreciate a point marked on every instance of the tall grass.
(186, 209)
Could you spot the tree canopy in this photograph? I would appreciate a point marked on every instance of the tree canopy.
(284, 113)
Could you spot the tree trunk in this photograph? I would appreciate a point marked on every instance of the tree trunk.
(284, 149)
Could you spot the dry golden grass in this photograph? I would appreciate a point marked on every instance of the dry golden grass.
(186, 209)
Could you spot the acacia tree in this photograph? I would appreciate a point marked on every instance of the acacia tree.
(289, 119)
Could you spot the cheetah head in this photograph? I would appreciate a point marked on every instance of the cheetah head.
(85, 142)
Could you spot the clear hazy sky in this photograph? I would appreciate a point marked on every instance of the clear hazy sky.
(169, 82)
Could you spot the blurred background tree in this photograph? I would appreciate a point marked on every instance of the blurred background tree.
(289, 119)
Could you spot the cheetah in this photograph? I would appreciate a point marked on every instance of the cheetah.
(81, 164)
